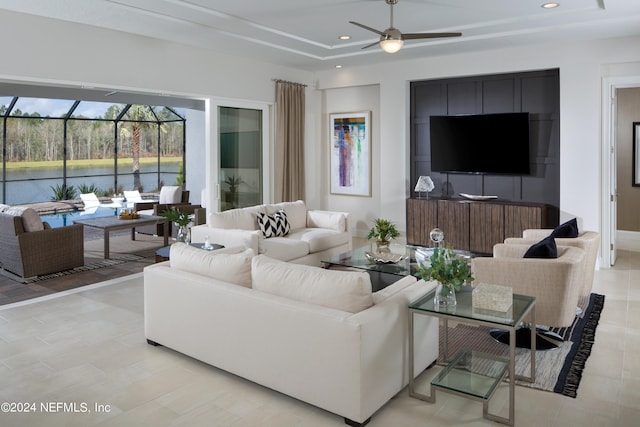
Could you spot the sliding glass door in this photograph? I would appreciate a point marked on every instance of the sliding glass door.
(241, 159)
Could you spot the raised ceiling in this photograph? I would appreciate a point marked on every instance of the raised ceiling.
(304, 33)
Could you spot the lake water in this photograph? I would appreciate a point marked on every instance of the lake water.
(37, 184)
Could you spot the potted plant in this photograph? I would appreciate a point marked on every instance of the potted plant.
(181, 219)
(450, 270)
(383, 231)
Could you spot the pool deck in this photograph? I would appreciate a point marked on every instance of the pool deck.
(61, 206)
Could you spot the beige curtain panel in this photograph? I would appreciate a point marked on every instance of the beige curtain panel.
(289, 147)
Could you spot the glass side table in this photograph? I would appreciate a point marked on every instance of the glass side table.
(474, 374)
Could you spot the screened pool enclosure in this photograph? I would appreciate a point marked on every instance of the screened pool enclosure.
(55, 149)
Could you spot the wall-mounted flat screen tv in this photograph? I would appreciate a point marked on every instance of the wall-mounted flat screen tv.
(480, 143)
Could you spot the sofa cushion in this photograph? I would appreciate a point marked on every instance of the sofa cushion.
(568, 229)
(320, 239)
(275, 225)
(324, 219)
(243, 218)
(341, 290)
(296, 212)
(545, 248)
(284, 248)
(31, 221)
(231, 265)
(170, 194)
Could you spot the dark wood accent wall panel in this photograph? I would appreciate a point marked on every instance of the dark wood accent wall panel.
(535, 92)
(487, 226)
(470, 225)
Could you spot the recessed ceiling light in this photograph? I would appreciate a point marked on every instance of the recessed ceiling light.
(345, 37)
(550, 5)
(338, 66)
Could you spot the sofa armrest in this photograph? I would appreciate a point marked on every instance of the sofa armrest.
(226, 237)
(340, 221)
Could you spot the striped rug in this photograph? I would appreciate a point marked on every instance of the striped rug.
(119, 259)
(558, 370)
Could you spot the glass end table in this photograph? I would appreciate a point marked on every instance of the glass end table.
(470, 373)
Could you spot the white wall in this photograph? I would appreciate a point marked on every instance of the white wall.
(580, 65)
(51, 52)
(352, 100)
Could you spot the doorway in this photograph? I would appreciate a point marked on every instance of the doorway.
(610, 174)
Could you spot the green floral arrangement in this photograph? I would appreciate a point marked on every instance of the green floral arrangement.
(174, 215)
(447, 267)
(383, 230)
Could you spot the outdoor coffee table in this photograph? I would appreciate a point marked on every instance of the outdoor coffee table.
(112, 223)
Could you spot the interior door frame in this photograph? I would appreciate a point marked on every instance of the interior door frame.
(608, 190)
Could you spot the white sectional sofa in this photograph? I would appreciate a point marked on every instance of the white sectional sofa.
(315, 234)
(318, 335)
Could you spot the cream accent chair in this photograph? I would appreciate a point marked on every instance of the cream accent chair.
(556, 283)
(588, 241)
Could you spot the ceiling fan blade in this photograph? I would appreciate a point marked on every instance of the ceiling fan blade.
(371, 45)
(367, 28)
(412, 36)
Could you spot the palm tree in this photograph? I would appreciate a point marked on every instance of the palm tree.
(140, 115)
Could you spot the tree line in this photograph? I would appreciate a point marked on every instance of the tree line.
(32, 137)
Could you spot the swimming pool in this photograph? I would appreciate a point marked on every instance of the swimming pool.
(66, 218)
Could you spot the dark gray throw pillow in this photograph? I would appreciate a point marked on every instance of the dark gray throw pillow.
(545, 248)
(568, 229)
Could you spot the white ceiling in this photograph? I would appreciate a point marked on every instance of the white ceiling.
(304, 33)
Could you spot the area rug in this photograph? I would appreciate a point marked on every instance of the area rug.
(120, 259)
(558, 370)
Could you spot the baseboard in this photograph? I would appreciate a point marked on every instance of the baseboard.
(628, 235)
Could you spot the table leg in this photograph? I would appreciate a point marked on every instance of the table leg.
(165, 233)
(106, 243)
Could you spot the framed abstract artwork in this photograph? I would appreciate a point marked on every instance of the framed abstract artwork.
(351, 153)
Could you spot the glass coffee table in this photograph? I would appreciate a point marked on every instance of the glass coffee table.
(384, 273)
(473, 374)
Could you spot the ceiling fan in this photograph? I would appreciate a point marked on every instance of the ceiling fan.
(391, 39)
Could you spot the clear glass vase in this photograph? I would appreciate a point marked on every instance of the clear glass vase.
(445, 296)
(183, 234)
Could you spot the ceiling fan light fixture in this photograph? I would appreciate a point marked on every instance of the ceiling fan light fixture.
(391, 45)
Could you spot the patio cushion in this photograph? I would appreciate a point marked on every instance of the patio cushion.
(31, 221)
(170, 194)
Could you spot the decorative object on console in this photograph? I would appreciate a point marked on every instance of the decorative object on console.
(424, 184)
(450, 270)
(383, 230)
(350, 154)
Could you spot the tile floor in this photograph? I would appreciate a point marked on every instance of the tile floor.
(89, 348)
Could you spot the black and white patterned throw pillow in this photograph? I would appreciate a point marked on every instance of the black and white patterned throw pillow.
(274, 225)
